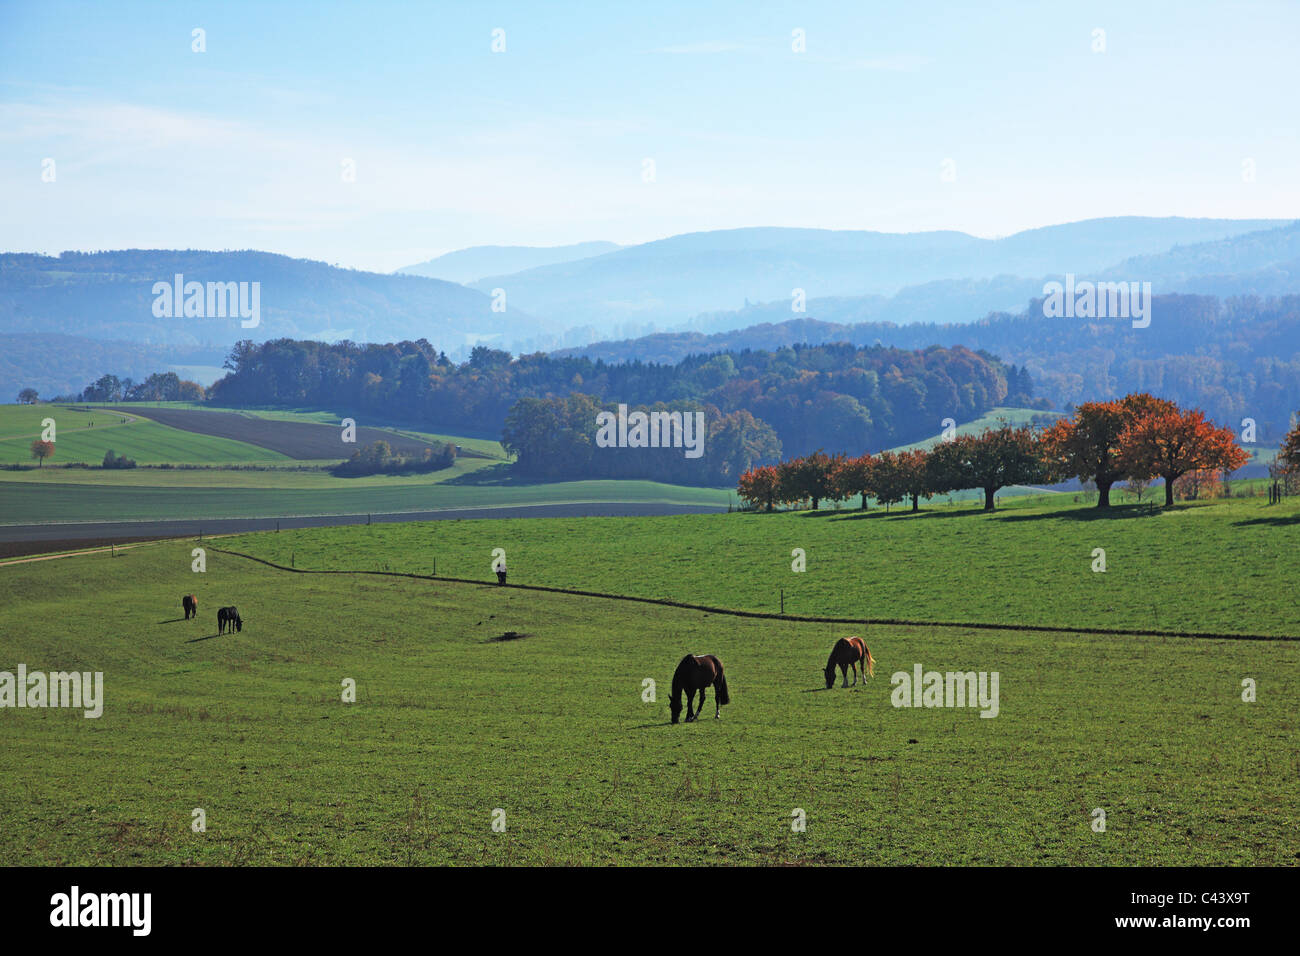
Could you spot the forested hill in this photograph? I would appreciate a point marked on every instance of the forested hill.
(110, 296)
(1234, 358)
(832, 396)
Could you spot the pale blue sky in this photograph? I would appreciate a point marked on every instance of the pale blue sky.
(241, 146)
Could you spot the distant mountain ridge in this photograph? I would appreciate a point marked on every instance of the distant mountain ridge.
(668, 281)
(109, 296)
(469, 265)
(1262, 263)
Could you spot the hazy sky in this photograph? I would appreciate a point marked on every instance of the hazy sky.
(242, 146)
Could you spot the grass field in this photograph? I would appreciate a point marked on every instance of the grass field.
(994, 418)
(228, 494)
(1030, 562)
(479, 444)
(280, 487)
(450, 725)
(146, 441)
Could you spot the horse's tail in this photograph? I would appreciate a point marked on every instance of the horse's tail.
(723, 696)
(871, 661)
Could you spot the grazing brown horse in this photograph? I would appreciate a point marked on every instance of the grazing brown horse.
(849, 654)
(229, 617)
(191, 605)
(696, 673)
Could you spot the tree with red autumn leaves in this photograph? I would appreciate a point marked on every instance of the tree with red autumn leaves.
(852, 476)
(1171, 442)
(760, 486)
(1087, 446)
(897, 476)
(1288, 455)
(808, 477)
(42, 450)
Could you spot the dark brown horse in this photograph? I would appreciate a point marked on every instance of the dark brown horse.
(229, 617)
(850, 654)
(696, 673)
(191, 605)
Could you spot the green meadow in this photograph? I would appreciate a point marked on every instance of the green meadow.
(451, 724)
(229, 494)
(1221, 566)
(132, 435)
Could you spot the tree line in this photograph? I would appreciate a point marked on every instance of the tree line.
(811, 396)
(556, 439)
(1138, 438)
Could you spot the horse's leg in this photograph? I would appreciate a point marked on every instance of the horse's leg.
(845, 675)
(690, 704)
(717, 707)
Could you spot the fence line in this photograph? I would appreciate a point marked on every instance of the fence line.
(798, 618)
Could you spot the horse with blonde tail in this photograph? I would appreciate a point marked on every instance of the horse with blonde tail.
(849, 654)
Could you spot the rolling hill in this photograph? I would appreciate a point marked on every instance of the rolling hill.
(108, 296)
(668, 281)
(467, 265)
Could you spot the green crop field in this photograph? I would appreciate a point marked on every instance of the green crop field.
(482, 445)
(134, 436)
(452, 726)
(103, 496)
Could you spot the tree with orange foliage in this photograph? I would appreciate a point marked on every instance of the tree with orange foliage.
(808, 477)
(1087, 446)
(42, 450)
(852, 476)
(1288, 455)
(1170, 442)
(760, 486)
(914, 477)
(1198, 483)
(899, 475)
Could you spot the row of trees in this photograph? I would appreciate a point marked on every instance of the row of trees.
(1138, 437)
(378, 458)
(158, 387)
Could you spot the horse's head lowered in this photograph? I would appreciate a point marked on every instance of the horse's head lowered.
(675, 705)
(830, 675)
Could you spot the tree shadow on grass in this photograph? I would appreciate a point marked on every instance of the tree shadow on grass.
(883, 515)
(1276, 521)
(492, 476)
(1091, 513)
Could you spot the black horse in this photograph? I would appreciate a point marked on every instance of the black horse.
(229, 617)
(696, 673)
(190, 604)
